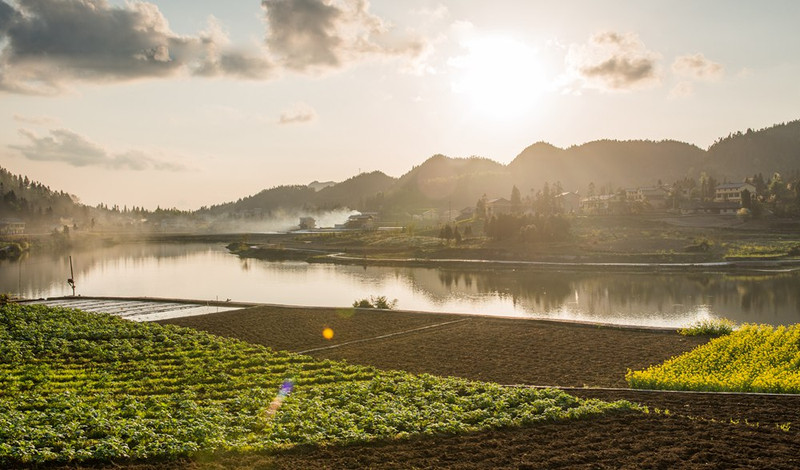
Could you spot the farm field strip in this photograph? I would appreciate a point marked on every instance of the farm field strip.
(754, 358)
(76, 386)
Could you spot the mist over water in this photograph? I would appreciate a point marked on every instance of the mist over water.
(205, 271)
(276, 221)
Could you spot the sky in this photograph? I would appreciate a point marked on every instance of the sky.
(186, 103)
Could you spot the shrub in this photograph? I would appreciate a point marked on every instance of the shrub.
(380, 302)
(700, 247)
(713, 327)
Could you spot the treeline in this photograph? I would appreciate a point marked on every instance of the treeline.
(34, 202)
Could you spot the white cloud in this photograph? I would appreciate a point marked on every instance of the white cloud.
(36, 120)
(691, 69)
(317, 35)
(49, 43)
(66, 146)
(46, 45)
(434, 13)
(613, 61)
(697, 67)
(682, 89)
(299, 113)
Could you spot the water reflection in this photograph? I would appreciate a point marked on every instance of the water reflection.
(207, 272)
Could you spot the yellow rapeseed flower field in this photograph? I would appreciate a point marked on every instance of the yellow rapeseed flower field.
(754, 358)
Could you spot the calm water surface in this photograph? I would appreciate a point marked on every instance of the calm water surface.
(209, 272)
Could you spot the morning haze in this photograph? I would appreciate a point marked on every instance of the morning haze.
(383, 234)
(204, 102)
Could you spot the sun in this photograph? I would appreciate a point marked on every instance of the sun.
(501, 76)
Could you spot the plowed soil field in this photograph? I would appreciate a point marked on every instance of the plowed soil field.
(682, 430)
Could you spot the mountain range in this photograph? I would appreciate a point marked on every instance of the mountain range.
(444, 182)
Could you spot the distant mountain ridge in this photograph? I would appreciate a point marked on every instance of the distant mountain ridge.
(454, 183)
(445, 182)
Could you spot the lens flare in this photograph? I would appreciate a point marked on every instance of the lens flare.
(327, 333)
(283, 392)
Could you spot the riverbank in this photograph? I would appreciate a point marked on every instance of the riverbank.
(605, 243)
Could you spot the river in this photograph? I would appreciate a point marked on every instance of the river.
(206, 271)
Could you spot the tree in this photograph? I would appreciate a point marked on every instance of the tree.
(446, 232)
(480, 208)
(746, 202)
(516, 200)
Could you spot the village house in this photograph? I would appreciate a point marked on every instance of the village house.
(466, 213)
(307, 223)
(430, 215)
(655, 196)
(603, 204)
(732, 192)
(12, 227)
(498, 206)
(365, 221)
(568, 202)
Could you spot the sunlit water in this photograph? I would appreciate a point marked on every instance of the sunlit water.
(209, 272)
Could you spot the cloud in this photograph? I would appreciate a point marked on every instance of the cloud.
(36, 120)
(682, 89)
(691, 69)
(612, 61)
(298, 114)
(697, 67)
(50, 42)
(317, 35)
(430, 14)
(65, 146)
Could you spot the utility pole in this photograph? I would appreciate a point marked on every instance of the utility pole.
(71, 280)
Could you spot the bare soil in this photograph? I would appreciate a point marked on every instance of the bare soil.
(682, 430)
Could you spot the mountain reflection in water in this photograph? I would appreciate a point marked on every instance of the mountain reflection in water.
(207, 272)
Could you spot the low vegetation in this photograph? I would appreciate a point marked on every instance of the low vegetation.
(80, 387)
(764, 249)
(711, 327)
(754, 358)
(379, 302)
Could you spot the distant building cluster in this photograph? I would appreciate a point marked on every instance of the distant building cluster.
(12, 227)
(727, 200)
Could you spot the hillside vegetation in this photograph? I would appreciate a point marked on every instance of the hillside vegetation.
(444, 182)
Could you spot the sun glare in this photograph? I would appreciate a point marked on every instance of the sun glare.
(501, 76)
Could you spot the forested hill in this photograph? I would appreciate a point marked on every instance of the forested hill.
(446, 182)
(443, 182)
(21, 198)
(766, 151)
(356, 192)
(608, 163)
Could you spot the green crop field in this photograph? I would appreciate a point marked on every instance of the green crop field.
(76, 386)
(754, 358)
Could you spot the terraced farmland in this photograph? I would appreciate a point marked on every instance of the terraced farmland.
(76, 386)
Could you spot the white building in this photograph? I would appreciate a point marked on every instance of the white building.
(732, 192)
